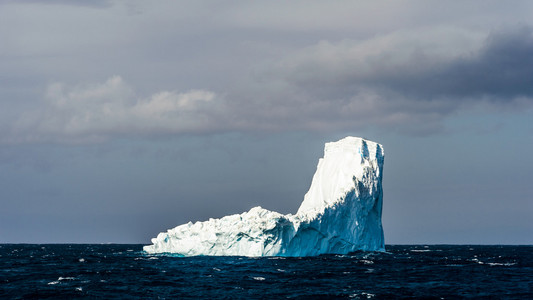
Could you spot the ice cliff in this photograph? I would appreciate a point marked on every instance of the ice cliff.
(340, 213)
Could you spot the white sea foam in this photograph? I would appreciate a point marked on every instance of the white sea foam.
(501, 264)
(66, 278)
(363, 295)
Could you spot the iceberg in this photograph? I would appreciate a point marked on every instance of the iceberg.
(340, 213)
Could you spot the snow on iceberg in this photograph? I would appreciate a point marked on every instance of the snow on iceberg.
(341, 213)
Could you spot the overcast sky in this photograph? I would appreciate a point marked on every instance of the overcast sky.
(121, 119)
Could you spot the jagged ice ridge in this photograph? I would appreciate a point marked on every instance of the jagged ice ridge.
(341, 213)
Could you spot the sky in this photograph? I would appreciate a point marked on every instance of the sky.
(122, 119)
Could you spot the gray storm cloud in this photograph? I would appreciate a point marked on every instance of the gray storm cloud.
(395, 80)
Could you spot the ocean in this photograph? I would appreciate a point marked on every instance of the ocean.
(404, 271)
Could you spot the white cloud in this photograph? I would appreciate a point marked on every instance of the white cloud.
(95, 112)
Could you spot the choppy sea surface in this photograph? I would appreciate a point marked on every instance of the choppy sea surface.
(125, 271)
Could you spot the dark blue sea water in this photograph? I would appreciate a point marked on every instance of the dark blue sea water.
(124, 271)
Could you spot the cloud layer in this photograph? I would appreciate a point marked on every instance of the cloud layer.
(405, 81)
(201, 68)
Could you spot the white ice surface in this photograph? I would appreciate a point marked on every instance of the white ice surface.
(341, 213)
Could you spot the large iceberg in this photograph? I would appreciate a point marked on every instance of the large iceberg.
(341, 213)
